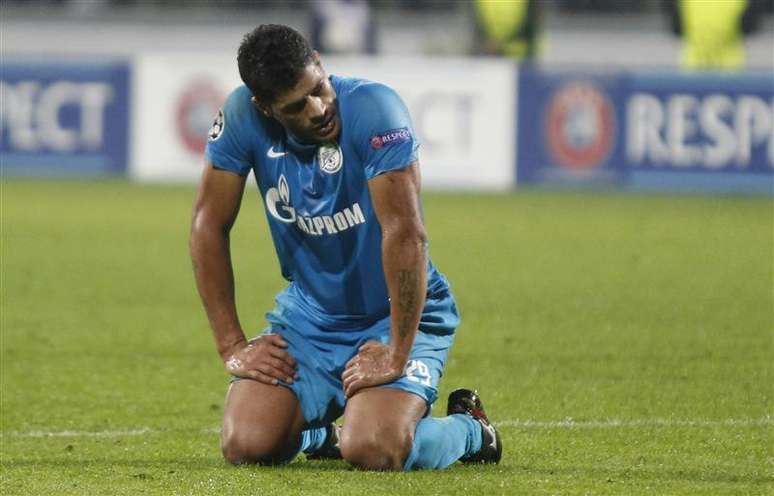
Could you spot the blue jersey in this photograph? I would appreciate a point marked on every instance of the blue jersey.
(318, 206)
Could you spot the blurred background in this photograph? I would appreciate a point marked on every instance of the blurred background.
(628, 33)
(643, 94)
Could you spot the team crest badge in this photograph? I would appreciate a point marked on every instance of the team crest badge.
(217, 127)
(330, 158)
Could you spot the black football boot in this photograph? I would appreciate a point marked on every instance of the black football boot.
(330, 448)
(469, 402)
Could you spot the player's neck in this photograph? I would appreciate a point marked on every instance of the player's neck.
(300, 145)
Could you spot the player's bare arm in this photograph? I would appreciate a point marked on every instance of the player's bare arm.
(215, 211)
(395, 196)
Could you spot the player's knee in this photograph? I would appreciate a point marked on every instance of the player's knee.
(379, 449)
(242, 448)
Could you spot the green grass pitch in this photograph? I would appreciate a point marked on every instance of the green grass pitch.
(623, 343)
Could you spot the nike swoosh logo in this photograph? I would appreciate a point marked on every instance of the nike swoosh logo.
(272, 154)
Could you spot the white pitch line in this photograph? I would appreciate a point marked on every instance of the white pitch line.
(512, 423)
(636, 423)
(127, 433)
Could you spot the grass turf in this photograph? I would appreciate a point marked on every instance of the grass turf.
(646, 320)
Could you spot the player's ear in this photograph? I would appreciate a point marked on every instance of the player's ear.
(265, 109)
(316, 60)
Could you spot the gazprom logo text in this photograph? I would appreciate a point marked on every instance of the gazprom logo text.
(279, 206)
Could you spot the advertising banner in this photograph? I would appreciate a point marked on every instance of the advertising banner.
(63, 117)
(701, 131)
(176, 98)
(569, 128)
(462, 111)
(652, 131)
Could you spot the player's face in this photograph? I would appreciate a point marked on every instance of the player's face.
(309, 110)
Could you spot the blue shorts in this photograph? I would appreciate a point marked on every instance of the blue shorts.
(321, 357)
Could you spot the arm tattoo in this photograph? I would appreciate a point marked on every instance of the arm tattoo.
(408, 282)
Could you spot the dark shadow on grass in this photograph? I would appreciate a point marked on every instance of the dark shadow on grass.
(633, 474)
(167, 465)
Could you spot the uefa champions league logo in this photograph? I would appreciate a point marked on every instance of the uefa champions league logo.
(217, 127)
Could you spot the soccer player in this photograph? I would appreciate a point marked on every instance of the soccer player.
(365, 325)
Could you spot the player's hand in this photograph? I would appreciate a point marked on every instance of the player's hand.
(264, 359)
(374, 364)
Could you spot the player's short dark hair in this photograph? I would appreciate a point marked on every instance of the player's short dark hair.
(271, 59)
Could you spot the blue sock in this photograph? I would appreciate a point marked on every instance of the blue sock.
(312, 439)
(439, 442)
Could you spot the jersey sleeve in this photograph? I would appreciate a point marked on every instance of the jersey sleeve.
(227, 147)
(383, 133)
